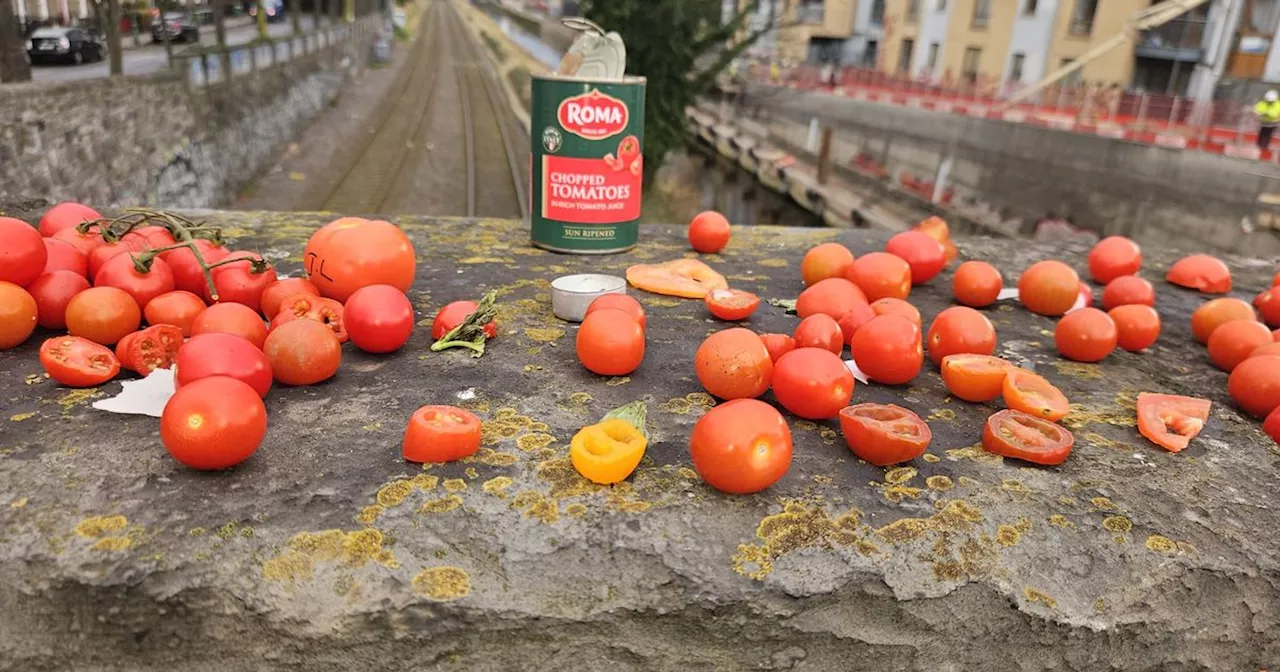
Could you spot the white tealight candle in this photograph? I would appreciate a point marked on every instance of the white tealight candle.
(571, 294)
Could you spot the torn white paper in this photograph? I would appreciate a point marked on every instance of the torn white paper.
(141, 397)
(858, 375)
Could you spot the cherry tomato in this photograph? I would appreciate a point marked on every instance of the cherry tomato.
(1272, 426)
(124, 272)
(1032, 394)
(935, 227)
(611, 343)
(178, 308)
(741, 447)
(236, 319)
(1049, 288)
(976, 284)
(124, 350)
(709, 232)
(1137, 326)
(888, 349)
(834, 296)
(1171, 421)
(923, 254)
(623, 302)
(237, 282)
(213, 423)
(853, 320)
(828, 260)
(1201, 271)
(1026, 437)
(880, 274)
(1126, 290)
(309, 307)
(889, 306)
(1268, 304)
(812, 383)
(85, 242)
(275, 293)
(884, 434)
(187, 274)
(218, 354)
(52, 292)
(152, 237)
(1271, 349)
(457, 312)
(1113, 257)
(106, 251)
(440, 433)
(777, 345)
(1086, 335)
(103, 314)
(976, 378)
(23, 255)
(63, 256)
(350, 253)
(303, 352)
(152, 348)
(734, 364)
(1213, 314)
(960, 329)
(732, 304)
(19, 314)
(820, 331)
(379, 318)
(78, 362)
(66, 215)
(1232, 342)
(1255, 385)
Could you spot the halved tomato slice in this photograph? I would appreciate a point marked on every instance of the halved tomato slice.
(123, 350)
(1026, 437)
(155, 347)
(976, 378)
(1032, 394)
(1171, 421)
(685, 278)
(731, 304)
(78, 362)
(884, 434)
(311, 307)
(441, 434)
(777, 345)
(1201, 271)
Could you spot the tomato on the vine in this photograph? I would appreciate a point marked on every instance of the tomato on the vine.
(350, 253)
(23, 254)
(1032, 394)
(303, 352)
(1137, 326)
(309, 307)
(923, 254)
(828, 260)
(178, 308)
(960, 329)
(1217, 312)
(880, 274)
(1049, 288)
(107, 251)
(1127, 290)
(152, 237)
(1113, 257)
(1085, 335)
(976, 284)
(777, 345)
(976, 378)
(884, 434)
(187, 274)
(820, 331)
(623, 302)
(1026, 437)
(734, 364)
(888, 349)
(731, 304)
(218, 354)
(78, 362)
(440, 434)
(1201, 271)
(833, 296)
(275, 293)
(236, 319)
(709, 232)
(812, 383)
(63, 256)
(125, 272)
(19, 314)
(243, 281)
(85, 242)
(1255, 385)
(741, 447)
(103, 314)
(379, 318)
(1171, 421)
(1232, 342)
(611, 343)
(52, 292)
(66, 215)
(213, 423)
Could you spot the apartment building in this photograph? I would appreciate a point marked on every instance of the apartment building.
(843, 32)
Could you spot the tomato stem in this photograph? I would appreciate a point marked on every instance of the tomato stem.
(470, 334)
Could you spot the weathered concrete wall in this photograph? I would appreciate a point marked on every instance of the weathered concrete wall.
(146, 140)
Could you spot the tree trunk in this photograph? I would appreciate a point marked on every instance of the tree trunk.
(220, 33)
(295, 15)
(262, 19)
(114, 50)
(13, 49)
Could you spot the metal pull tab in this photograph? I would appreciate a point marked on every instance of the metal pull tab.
(595, 54)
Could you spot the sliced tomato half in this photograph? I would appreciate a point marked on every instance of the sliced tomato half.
(78, 362)
(685, 278)
(311, 307)
(884, 434)
(1201, 271)
(731, 304)
(155, 347)
(1025, 437)
(1171, 421)
(1032, 394)
(976, 378)
(777, 345)
(441, 434)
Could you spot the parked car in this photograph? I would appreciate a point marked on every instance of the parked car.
(275, 10)
(179, 26)
(65, 45)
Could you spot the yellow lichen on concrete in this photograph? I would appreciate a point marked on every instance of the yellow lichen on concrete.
(492, 458)
(1117, 524)
(455, 485)
(1037, 597)
(544, 334)
(700, 399)
(773, 262)
(1008, 535)
(1077, 369)
(1016, 487)
(900, 475)
(796, 526)
(931, 458)
(1081, 416)
(944, 414)
(1160, 544)
(1103, 504)
(618, 380)
(306, 549)
(113, 544)
(565, 481)
(18, 503)
(686, 472)
(575, 510)
(394, 493)
(100, 526)
(442, 584)
(974, 453)
(537, 506)
(425, 482)
(369, 514)
(1059, 520)
(19, 417)
(531, 442)
(441, 505)
(678, 406)
(753, 562)
(939, 483)
(896, 493)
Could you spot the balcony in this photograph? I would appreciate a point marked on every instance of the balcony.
(1178, 40)
(813, 13)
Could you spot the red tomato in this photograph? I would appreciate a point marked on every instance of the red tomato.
(1213, 314)
(63, 256)
(884, 434)
(124, 350)
(1086, 335)
(820, 331)
(217, 354)
(976, 378)
(623, 302)
(1232, 342)
(828, 260)
(897, 307)
(834, 296)
(187, 274)
(923, 254)
(379, 318)
(734, 364)
(1049, 288)
(106, 251)
(243, 281)
(880, 274)
(1171, 421)
(152, 237)
(1255, 385)
(66, 215)
(124, 272)
(178, 308)
(709, 232)
(1268, 303)
(812, 383)
(610, 343)
(741, 447)
(103, 314)
(861, 314)
(1271, 349)
(888, 349)
(1201, 271)
(85, 242)
(231, 318)
(23, 255)
(1026, 437)
(78, 362)
(19, 314)
(457, 312)
(935, 227)
(1126, 290)
(309, 307)
(213, 423)
(777, 345)
(351, 253)
(152, 348)
(976, 284)
(731, 304)
(1272, 426)
(440, 433)
(275, 293)
(958, 330)
(1113, 257)
(1032, 394)
(1137, 326)
(52, 292)
(303, 352)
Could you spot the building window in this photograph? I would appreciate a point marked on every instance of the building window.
(877, 13)
(1072, 80)
(1082, 18)
(1029, 9)
(969, 69)
(1015, 67)
(871, 54)
(932, 61)
(913, 11)
(981, 13)
(904, 55)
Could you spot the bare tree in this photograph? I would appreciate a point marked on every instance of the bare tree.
(295, 15)
(112, 29)
(14, 66)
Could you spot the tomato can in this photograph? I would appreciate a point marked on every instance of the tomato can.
(586, 139)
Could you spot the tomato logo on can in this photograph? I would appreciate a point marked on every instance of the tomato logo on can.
(593, 115)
